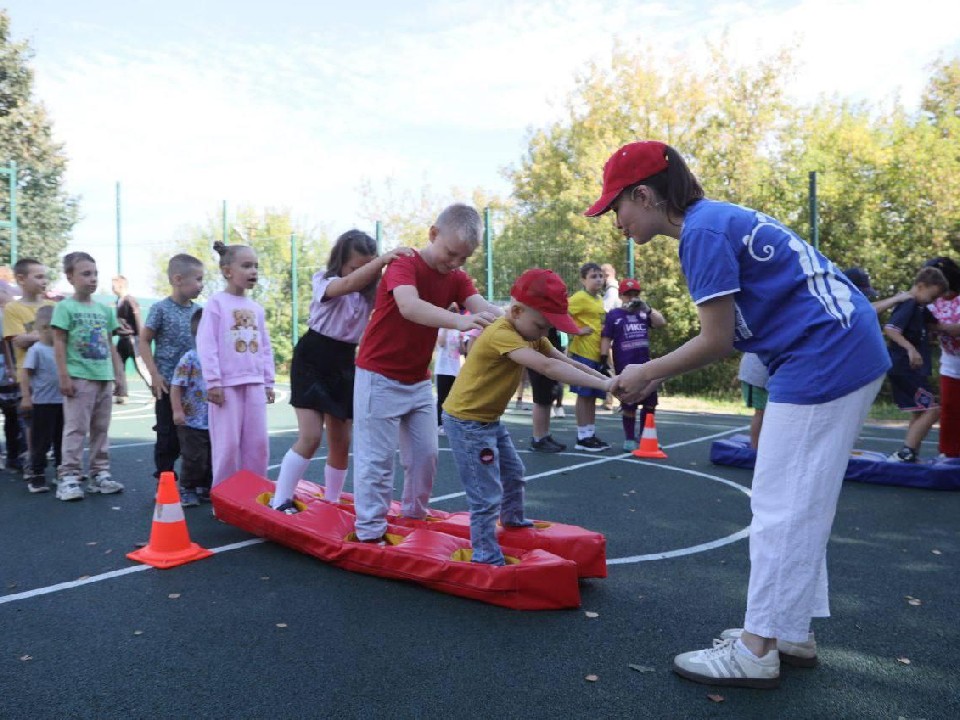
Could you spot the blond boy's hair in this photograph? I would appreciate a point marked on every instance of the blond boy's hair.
(462, 221)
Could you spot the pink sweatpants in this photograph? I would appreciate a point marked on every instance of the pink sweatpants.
(238, 432)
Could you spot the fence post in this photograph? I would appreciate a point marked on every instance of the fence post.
(294, 289)
(11, 173)
(119, 235)
(631, 261)
(814, 218)
(379, 236)
(488, 252)
(224, 214)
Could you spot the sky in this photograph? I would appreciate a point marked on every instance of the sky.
(295, 104)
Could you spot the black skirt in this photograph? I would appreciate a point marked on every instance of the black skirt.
(321, 375)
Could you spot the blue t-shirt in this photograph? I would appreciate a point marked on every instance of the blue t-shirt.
(816, 333)
(170, 323)
(45, 381)
(630, 333)
(193, 397)
(912, 321)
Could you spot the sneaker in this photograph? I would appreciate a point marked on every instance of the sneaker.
(104, 484)
(558, 411)
(726, 664)
(288, 508)
(904, 455)
(69, 488)
(630, 445)
(546, 445)
(37, 484)
(203, 493)
(189, 498)
(796, 654)
(592, 444)
(441, 432)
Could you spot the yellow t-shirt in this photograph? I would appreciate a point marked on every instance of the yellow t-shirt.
(18, 318)
(489, 377)
(586, 310)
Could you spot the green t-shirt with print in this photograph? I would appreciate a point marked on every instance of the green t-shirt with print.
(89, 328)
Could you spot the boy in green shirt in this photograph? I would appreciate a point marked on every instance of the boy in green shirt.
(90, 373)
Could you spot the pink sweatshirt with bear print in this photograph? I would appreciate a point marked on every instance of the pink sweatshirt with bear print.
(233, 343)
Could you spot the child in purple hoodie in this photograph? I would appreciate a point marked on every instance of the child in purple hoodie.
(237, 362)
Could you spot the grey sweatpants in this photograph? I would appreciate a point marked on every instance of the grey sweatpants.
(388, 415)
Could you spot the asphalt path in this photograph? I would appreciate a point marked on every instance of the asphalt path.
(260, 631)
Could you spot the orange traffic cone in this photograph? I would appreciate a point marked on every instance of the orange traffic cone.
(649, 446)
(169, 544)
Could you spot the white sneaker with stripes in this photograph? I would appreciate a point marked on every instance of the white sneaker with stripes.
(728, 662)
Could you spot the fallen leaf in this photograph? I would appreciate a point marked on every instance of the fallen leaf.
(903, 660)
(591, 678)
(108, 551)
(716, 698)
(642, 668)
(173, 596)
(936, 552)
(83, 577)
(281, 625)
(591, 614)
(632, 510)
(26, 657)
(264, 577)
(115, 507)
(140, 544)
(11, 586)
(914, 601)
(633, 492)
(626, 495)
(138, 632)
(91, 543)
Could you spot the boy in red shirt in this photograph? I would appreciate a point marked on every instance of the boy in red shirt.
(393, 403)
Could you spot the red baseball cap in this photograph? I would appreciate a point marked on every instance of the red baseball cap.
(629, 285)
(628, 166)
(543, 290)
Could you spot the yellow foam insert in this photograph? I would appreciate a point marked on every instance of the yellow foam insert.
(390, 537)
(466, 555)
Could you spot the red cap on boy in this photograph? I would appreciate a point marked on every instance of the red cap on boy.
(544, 291)
(628, 166)
(629, 285)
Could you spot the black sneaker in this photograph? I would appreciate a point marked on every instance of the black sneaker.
(592, 444)
(904, 455)
(547, 445)
(37, 484)
(288, 508)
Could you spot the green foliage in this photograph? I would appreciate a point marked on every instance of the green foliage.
(45, 213)
(269, 234)
(888, 183)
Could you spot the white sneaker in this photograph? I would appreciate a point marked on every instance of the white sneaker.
(727, 664)
(69, 488)
(558, 411)
(104, 484)
(441, 432)
(796, 654)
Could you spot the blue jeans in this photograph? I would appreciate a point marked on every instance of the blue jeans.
(492, 475)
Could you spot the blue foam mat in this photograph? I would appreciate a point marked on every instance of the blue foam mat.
(864, 466)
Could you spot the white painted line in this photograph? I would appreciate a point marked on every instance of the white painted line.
(110, 575)
(703, 547)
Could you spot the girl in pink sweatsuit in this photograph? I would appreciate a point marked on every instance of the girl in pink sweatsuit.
(237, 364)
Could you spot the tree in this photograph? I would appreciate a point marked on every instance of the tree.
(46, 214)
(269, 234)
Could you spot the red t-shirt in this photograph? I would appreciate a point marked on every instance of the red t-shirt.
(392, 345)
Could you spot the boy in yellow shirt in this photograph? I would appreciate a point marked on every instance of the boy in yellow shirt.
(489, 467)
(586, 309)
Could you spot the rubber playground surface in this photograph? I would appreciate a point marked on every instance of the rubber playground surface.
(260, 631)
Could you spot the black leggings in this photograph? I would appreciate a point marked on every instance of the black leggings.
(444, 383)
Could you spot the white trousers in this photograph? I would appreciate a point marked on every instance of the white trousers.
(801, 461)
(387, 416)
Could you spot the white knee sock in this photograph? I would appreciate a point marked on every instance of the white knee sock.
(334, 483)
(292, 468)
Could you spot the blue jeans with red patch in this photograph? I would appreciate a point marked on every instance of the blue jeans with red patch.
(492, 475)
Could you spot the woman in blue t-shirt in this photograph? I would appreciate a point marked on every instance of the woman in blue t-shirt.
(759, 288)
